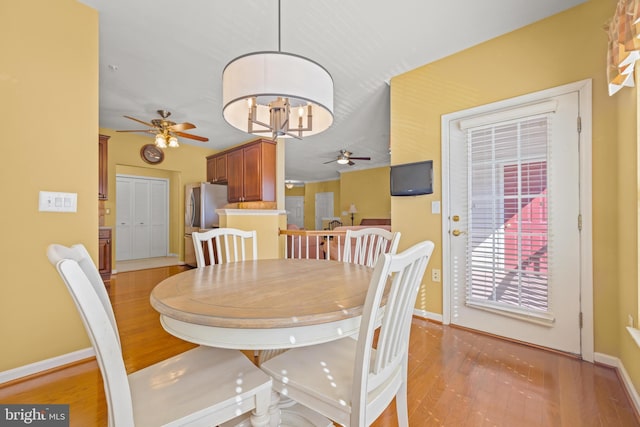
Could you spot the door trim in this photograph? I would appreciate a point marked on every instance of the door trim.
(583, 87)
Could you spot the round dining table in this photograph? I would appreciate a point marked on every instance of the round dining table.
(268, 305)
(264, 304)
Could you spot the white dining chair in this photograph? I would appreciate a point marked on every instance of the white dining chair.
(348, 380)
(79, 254)
(364, 246)
(202, 386)
(224, 245)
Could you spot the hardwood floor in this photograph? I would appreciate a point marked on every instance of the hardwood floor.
(456, 377)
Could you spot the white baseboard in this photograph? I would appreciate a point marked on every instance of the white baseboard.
(427, 315)
(614, 362)
(45, 365)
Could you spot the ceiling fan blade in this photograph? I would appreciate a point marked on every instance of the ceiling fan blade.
(181, 126)
(139, 121)
(351, 163)
(359, 158)
(196, 137)
(137, 130)
(330, 161)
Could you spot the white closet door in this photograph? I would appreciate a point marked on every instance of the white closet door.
(124, 221)
(158, 219)
(142, 217)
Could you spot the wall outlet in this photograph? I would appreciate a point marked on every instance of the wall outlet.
(630, 321)
(435, 275)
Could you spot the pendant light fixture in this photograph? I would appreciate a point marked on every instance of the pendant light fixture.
(277, 93)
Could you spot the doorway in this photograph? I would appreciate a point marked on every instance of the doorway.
(324, 207)
(516, 219)
(294, 205)
(142, 217)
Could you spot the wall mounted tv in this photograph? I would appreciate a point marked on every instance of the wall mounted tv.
(412, 179)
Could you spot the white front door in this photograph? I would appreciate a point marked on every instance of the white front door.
(294, 205)
(514, 266)
(324, 207)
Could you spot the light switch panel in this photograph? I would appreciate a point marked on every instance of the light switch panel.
(50, 201)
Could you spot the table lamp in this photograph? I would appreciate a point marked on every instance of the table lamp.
(352, 210)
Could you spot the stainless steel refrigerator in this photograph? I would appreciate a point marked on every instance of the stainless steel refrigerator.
(201, 201)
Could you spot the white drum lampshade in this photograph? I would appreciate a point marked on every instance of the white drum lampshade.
(266, 80)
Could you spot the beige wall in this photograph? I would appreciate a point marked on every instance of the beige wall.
(49, 110)
(567, 47)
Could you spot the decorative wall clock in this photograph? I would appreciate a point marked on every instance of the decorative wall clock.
(151, 154)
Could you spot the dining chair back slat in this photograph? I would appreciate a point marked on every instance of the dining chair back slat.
(364, 246)
(224, 245)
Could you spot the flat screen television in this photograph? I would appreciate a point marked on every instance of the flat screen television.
(412, 179)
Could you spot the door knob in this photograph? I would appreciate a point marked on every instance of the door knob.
(457, 232)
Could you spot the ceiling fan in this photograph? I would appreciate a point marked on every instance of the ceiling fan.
(345, 158)
(165, 130)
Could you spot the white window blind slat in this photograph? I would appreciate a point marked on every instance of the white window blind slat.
(507, 252)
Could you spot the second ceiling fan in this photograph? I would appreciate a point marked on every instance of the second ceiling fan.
(345, 158)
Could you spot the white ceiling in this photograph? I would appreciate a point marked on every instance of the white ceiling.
(169, 54)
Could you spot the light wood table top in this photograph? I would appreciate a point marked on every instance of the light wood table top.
(261, 295)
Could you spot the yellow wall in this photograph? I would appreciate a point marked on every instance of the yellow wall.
(49, 110)
(295, 191)
(627, 221)
(369, 190)
(310, 190)
(564, 48)
(183, 165)
(267, 227)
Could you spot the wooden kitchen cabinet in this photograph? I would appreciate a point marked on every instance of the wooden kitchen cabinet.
(251, 172)
(103, 167)
(104, 254)
(217, 168)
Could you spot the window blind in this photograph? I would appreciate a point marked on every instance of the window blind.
(507, 242)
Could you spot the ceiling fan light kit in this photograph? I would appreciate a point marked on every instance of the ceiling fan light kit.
(277, 93)
(166, 131)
